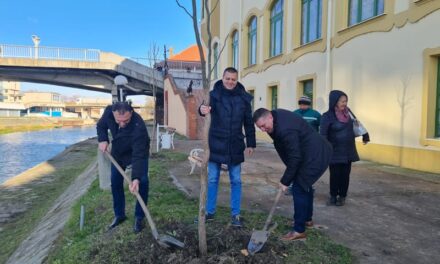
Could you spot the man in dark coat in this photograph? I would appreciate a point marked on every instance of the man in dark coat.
(130, 145)
(306, 155)
(230, 109)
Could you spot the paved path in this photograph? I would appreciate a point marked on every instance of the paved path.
(391, 215)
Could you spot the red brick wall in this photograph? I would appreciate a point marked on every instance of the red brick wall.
(191, 103)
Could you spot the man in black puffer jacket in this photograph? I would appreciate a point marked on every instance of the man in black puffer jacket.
(306, 155)
(230, 109)
(130, 146)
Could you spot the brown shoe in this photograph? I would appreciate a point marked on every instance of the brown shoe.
(292, 235)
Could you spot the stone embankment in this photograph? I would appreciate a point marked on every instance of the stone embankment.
(62, 179)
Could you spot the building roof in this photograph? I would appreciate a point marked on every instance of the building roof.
(189, 54)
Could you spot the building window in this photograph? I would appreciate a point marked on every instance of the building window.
(276, 28)
(235, 50)
(437, 107)
(273, 97)
(55, 98)
(311, 17)
(253, 41)
(307, 89)
(361, 10)
(215, 61)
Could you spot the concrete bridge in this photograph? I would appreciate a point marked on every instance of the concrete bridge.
(88, 69)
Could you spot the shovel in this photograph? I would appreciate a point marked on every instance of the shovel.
(259, 237)
(163, 240)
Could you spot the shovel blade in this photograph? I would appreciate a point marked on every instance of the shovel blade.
(257, 241)
(170, 242)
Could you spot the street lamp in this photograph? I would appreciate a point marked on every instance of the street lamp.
(36, 41)
(120, 81)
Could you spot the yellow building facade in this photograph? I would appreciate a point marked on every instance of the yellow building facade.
(10, 92)
(384, 54)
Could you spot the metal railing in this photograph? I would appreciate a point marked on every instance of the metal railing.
(50, 53)
(189, 66)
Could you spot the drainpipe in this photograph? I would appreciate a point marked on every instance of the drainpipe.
(329, 64)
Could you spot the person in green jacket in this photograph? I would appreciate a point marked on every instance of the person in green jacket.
(312, 117)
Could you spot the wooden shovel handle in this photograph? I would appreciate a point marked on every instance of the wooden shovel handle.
(138, 196)
(272, 210)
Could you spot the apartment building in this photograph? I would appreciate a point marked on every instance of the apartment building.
(384, 54)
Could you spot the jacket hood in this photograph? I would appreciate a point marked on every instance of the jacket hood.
(239, 89)
(333, 99)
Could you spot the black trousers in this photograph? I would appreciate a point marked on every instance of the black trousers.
(339, 179)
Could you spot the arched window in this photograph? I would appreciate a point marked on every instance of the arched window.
(311, 19)
(235, 50)
(215, 62)
(276, 28)
(252, 38)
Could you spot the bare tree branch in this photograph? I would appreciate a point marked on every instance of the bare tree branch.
(219, 54)
(215, 6)
(153, 53)
(184, 8)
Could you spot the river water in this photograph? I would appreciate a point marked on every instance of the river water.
(23, 150)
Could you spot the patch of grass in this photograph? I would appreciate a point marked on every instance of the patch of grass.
(174, 215)
(179, 136)
(38, 198)
(7, 130)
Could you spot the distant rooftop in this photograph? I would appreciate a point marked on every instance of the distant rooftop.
(189, 54)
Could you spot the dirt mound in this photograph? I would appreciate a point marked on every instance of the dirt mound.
(224, 246)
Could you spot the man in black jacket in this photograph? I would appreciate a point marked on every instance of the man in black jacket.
(130, 145)
(306, 155)
(230, 109)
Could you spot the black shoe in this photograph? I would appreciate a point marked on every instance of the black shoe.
(331, 200)
(208, 218)
(117, 221)
(138, 225)
(236, 221)
(340, 201)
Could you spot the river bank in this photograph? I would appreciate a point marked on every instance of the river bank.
(27, 197)
(20, 124)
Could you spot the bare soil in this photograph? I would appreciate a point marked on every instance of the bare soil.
(224, 246)
(391, 214)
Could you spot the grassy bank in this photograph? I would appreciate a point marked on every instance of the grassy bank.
(7, 130)
(22, 124)
(29, 201)
(174, 215)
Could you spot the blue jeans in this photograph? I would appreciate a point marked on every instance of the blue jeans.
(213, 179)
(303, 207)
(117, 182)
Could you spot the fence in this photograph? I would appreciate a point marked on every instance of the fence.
(51, 53)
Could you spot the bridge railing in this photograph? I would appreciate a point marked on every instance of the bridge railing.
(188, 66)
(51, 53)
